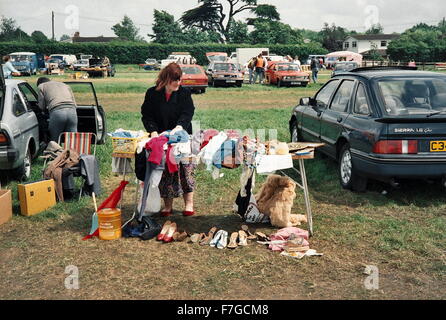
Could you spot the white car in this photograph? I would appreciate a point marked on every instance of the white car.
(81, 63)
(68, 58)
(180, 58)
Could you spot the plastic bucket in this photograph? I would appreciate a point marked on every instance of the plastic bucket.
(109, 224)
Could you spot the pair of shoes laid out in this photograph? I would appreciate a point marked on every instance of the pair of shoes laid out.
(220, 240)
(250, 235)
(168, 230)
(208, 238)
(169, 213)
(180, 236)
(242, 237)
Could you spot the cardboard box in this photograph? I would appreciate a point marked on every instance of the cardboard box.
(5, 206)
(36, 197)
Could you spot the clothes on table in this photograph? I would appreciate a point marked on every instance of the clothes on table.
(179, 136)
(156, 148)
(207, 153)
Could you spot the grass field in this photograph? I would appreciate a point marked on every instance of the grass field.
(401, 232)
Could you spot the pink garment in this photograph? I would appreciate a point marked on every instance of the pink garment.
(207, 136)
(284, 234)
(155, 146)
(170, 160)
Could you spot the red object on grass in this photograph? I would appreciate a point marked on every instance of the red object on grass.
(111, 202)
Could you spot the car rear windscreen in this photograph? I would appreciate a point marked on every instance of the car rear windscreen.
(407, 96)
(191, 70)
(225, 67)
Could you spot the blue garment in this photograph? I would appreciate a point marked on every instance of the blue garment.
(226, 156)
(8, 69)
(179, 136)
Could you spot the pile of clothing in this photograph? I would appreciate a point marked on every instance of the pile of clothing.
(64, 165)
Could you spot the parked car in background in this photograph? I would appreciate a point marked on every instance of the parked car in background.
(99, 67)
(282, 73)
(178, 57)
(387, 124)
(27, 63)
(68, 58)
(81, 63)
(224, 74)
(151, 64)
(335, 57)
(344, 66)
(24, 127)
(194, 77)
(54, 63)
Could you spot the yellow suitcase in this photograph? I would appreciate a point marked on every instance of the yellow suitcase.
(36, 197)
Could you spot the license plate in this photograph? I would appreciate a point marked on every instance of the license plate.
(188, 81)
(295, 82)
(438, 146)
(230, 81)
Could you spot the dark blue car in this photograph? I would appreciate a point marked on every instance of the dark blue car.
(386, 124)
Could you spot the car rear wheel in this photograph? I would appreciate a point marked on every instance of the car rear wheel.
(348, 176)
(23, 172)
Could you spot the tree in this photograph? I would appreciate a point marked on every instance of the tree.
(126, 29)
(9, 31)
(375, 29)
(238, 32)
(212, 15)
(64, 37)
(332, 37)
(39, 37)
(264, 12)
(274, 32)
(165, 29)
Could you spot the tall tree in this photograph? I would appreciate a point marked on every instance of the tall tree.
(213, 15)
(264, 12)
(126, 29)
(332, 37)
(375, 29)
(274, 32)
(165, 28)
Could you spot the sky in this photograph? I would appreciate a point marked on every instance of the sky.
(96, 17)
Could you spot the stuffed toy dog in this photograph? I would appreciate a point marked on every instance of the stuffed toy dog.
(275, 198)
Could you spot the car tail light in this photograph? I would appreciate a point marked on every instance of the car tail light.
(3, 138)
(396, 147)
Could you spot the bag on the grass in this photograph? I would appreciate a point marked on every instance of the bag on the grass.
(253, 215)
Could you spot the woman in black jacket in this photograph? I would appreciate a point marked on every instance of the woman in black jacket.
(168, 106)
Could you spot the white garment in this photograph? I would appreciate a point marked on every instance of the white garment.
(270, 163)
(244, 177)
(207, 153)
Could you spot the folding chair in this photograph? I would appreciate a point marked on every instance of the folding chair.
(79, 141)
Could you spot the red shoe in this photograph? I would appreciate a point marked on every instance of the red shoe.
(164, 230)
(168, 237)
(166, 213)
(188, 213)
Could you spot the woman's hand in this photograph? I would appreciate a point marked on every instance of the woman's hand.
(154, 134)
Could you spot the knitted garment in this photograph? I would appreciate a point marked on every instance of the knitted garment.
(155, 146)
(179, 136)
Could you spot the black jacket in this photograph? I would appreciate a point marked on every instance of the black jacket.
(161, 115)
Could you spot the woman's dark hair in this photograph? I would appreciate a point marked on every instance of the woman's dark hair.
(42, 80)
(172, 72)
(6, 58)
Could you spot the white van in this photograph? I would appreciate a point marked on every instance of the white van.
(68, 58)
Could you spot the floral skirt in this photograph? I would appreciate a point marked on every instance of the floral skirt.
(174, 185)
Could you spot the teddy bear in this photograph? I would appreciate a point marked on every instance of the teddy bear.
(275, 199)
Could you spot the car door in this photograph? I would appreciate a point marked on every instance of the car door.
(333, 118)
(310, 125)
(363, 131)
(31, 102)
(90, 115)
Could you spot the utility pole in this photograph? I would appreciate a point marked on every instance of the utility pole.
(52, 23)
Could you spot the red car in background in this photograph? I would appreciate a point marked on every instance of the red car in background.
(283, 73)
(194, 78)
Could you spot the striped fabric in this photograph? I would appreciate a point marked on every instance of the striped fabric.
(79, 141)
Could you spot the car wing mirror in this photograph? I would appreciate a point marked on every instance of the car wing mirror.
(304, 101)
